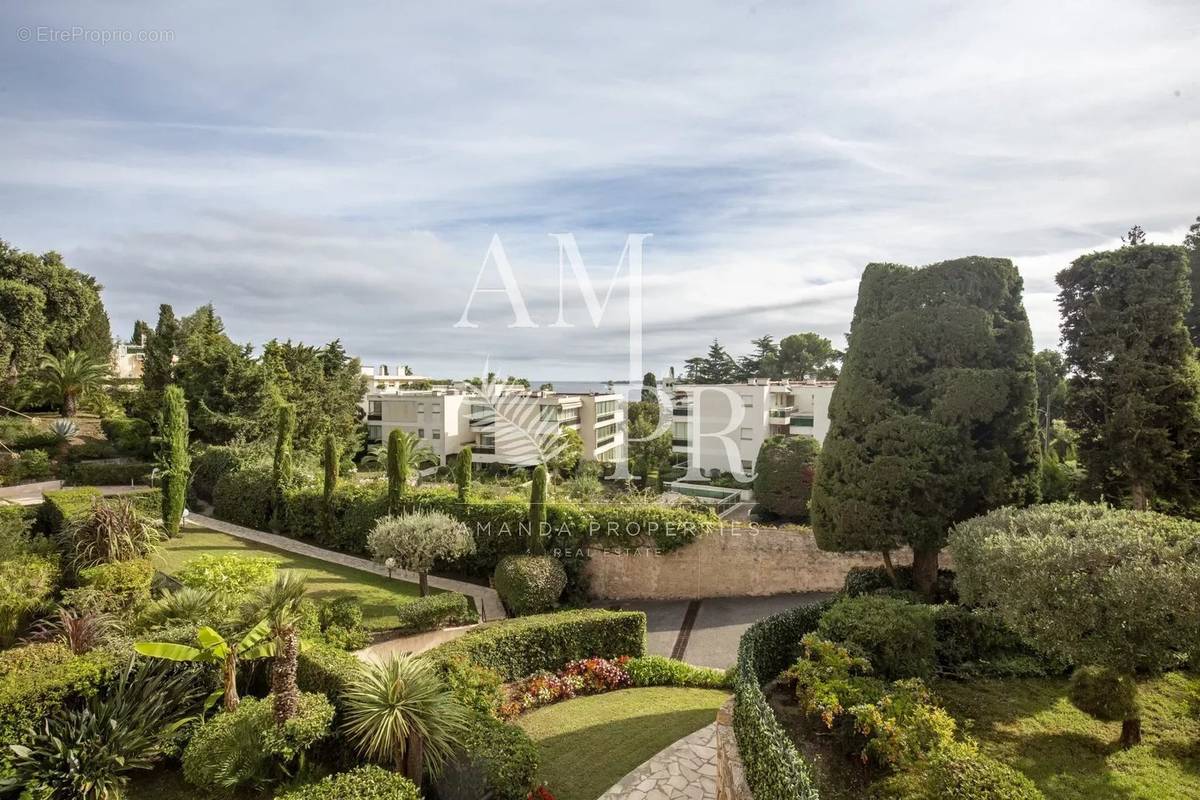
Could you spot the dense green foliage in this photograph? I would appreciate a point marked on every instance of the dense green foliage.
(121, 587)
(330, 458)
(530, 584)
(435, 611)
(175, 459)
(281, 467)
(66, 380)
(162, 346)
(960, 772)
(27, 581)
(111, 530)
(783, 475)
(1104, 694)
(101, 473)
(933, 418)
(662, 671)
(1192, 243)
(501, 754)
(537, 510)
(462, 473)
(37, 678)
(1135, 382)
(897, 637)
(800, 357)
(244, 497)
(131, 436)
(367, 782)
(518, 647)
(417, 541)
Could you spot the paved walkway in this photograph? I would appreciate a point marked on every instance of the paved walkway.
(416, 644)
(486, 599)
(687, 770)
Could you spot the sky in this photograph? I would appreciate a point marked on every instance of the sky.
(321, 170)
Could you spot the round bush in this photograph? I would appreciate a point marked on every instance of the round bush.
(530, 584)
(898, 637)
(958, 772)
(1104, 693)
(783, 475)
(364, 783)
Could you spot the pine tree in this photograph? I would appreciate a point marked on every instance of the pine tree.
(933, 419)
(158, 368)
(537, 510)
(763, 362)
(329, 461)
(174, 458)
(462, 473)
(1135, 384)
(281, 471)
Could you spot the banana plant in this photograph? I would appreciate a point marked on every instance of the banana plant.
(214, 649)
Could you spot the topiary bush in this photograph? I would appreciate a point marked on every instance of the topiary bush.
(783, 475)
(434, 612)
(975, 643)
(63, 505)
(897, 637)
(362, 783)
(109, 473)
(325, 669)
(244, 497)
(875, 580)
(530, 584)
(518, 647)
(662, 671)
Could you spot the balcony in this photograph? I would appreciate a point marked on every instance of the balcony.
(605, 441)
(802, 422)
(682, 411)
(376, 417)
(679, 443)
(781, 413)
(605, 417)
(483, 450)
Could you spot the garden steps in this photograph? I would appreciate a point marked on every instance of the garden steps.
(686, 770)
(487, 601)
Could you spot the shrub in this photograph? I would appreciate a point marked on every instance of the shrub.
(147, 502)
(213, 463)
(828, 680)
(530, 584)
(345, 612)
(415, 541)
(495, 757)
(975, 643)
(90, 451)
(231, 575)
(435, 611)
(362, 783)
(34, 439)
(115, 588)
(875, 580)
(960, 772)
(112, 531)
(244, 497)
(32, 465)
(27, 581)
(1103, 693)
(783, 475)
(326, 670)
(109, 473)
(661, 671)
(63, 505)
(38, 678)
(518, 647)
(898, 637)
(904, 726)
(475, 687)
(245, 748)
(130, 435)
(185, 604)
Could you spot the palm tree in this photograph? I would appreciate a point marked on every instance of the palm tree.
(214, 649)
(279, 605)
(412, 450)
(401, 713)
(64, 380)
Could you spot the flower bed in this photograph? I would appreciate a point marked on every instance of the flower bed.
(586, 676)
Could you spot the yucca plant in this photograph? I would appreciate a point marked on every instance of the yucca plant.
(64, 380)
(187, 604)
(80, 631)
(401, 713)
(214, 649)
(112, 531)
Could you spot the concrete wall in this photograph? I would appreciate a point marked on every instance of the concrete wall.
(732, 562)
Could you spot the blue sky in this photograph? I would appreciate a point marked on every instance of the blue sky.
(319, 171)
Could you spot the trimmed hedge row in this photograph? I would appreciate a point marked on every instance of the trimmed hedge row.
(435, 612)
(108, 473)
(66, 504)
(518, 647)
(774, 768)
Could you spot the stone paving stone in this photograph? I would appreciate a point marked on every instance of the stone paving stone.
(679, 772)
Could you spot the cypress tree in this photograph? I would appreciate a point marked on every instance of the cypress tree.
(281, 472)
(329, 460)
(158, 368)
(1135, 384)
(933, 417)
(462, 473)
(649, 388)
(537, 510)
(397, 470)
(175, 459)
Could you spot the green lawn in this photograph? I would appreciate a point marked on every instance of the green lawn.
(379, 595)
(590, 743)
(1030, 725)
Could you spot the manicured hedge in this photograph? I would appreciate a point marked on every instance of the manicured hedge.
(65, 504)
(530, 584)
(38, 678)
(501, 754)
(212, 464)
(109, 473)
(363, 783)
(774, 768)
(244, 497)
(662, 671)
(325, 669)
(897, 636)
(434, 612)
(147, 502)
(518, 647)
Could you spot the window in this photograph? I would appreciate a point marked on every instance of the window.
(375, 433)
(436, 409)
(747, 434)
(375, 409)
(437, 433)
(420, 408)
(748, 400)
(420, 433)
(747, 466)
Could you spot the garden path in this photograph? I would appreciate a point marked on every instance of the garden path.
(486, 600)
(687, 770)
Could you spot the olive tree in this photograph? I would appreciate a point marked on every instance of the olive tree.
(416, 541)
(1117, 590)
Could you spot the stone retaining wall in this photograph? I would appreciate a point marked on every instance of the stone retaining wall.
(730, 563)
(731, 776)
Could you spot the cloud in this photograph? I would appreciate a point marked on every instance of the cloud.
(340, 172)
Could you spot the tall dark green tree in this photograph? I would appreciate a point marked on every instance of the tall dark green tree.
(647, 452)
(763, 362)
(649, 388)
(397, 470)
(281, 469)
(462, 473)
(226, 389)
(22, 328)
(537, 510)
(158, 368)
(1051, 372)
(1192, 243)
(330, 457)
(717, 366)
(807, 357)
(933, 418)
(176, 464)
(141, 332)
(1135, 384)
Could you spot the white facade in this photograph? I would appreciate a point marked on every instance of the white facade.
(387, 378)
(721, 427)
(513, 426)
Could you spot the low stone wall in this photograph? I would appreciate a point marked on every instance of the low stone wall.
(731, 775)
(731, 563)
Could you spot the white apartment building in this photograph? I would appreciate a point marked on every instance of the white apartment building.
(720, 428)
(513, 426)
(385, 377)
